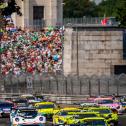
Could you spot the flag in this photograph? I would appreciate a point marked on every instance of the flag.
(104, 21)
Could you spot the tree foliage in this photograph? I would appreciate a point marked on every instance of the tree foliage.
(79, 8)
(8, 10)
(113, 8)
(107, 8)
(121, 12)
(11, 8)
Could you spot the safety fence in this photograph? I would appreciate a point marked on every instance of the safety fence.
(61, 85)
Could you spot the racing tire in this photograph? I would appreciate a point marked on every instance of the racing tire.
(113, 123)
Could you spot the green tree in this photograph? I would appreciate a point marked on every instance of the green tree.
(11, 8)
(8, 10)
(113, 8)
(121, 12)
(2, 20)
(107, 8)
(79, 8)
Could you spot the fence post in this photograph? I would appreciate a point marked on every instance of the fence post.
(30, 84)
(17, 85)
(108, 85)
(66, 84)
(80, 86)
(57, 88)
(117, 85)
(50, 85)
(117, 89)
(40, 84)
(4, 86)
(11, 84)
(71, 86)
(99, 86)
(89, 87)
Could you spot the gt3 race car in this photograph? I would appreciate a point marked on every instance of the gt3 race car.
(27, 117)
(107, 102)
(107, 113)
(72, 117)
(47, 109)
(5, 109)
(94, 121)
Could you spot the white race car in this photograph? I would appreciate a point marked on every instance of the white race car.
(27, 117)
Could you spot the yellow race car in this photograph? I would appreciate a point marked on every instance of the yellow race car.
(61, 117)
(72, 117)
(93, 121)
(47, 109)
(110, 115)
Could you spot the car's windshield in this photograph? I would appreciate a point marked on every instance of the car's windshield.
(105, 102)
(72, 112)
(30, 98)
(46, 106)
(123, 104)
(81, 116)
(21, 104)
(27, 113)
(102, 111)
(89, 104)
(6, 105)
(94, 123)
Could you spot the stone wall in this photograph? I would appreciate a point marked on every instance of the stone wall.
(93, 51)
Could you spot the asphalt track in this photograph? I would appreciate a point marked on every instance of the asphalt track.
(5, 121)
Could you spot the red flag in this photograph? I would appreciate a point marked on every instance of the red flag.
(104, 21)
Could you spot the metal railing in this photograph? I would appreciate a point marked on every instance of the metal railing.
(61, 85)
(84, 21)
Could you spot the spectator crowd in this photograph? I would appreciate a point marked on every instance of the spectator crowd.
(25, 51)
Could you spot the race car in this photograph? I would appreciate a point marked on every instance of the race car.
(28, 97)
(65, 116)
(110, 115)
(5, 109)
(88, 103)
(107, 102)
(93, 121)
(27, 117)
(47, 109)
(71, 116)
(20, 103)
(122, 108)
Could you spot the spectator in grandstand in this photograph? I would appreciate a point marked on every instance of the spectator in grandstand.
(31, 52)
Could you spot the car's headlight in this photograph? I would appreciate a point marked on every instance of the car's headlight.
(41, 119)
(17, 119)
(118, 107)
